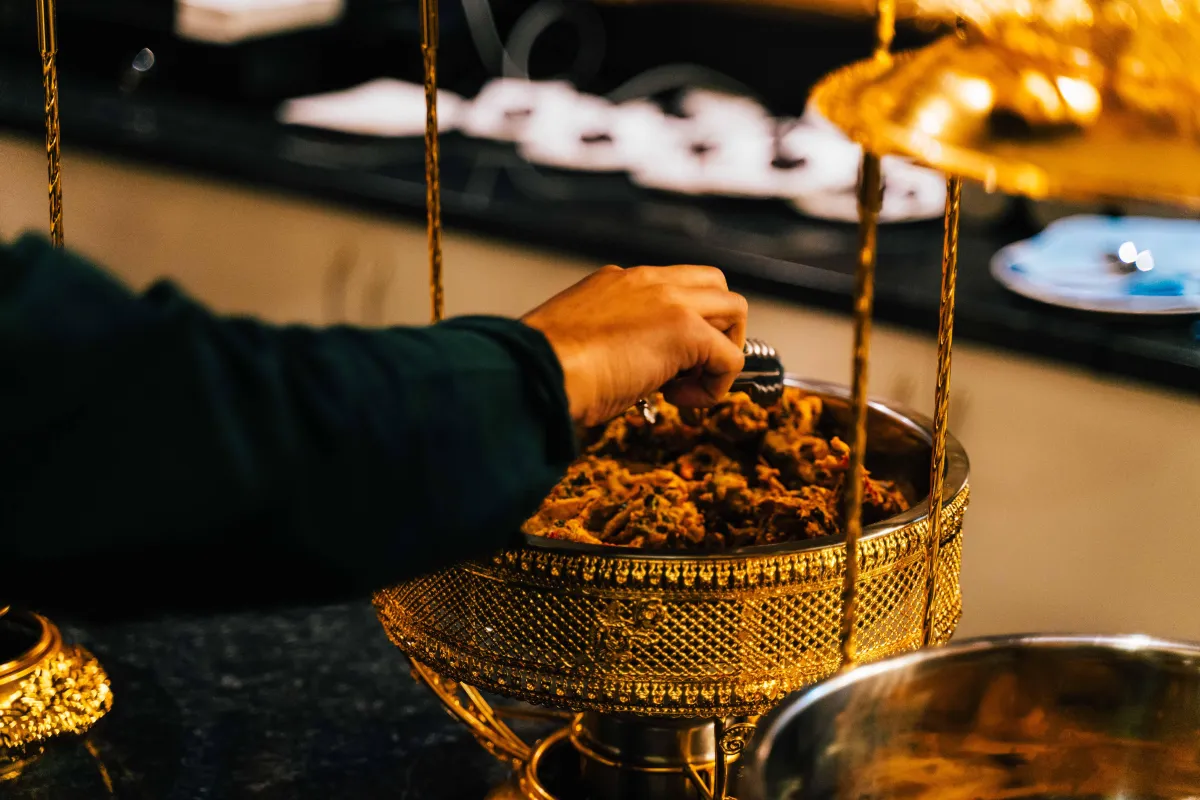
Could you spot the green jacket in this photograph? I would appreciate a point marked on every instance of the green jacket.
(156, 455)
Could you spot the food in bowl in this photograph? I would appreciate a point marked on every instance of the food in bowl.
(740, 474)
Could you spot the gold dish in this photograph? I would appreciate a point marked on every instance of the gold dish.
(47, 690)
(625, 631)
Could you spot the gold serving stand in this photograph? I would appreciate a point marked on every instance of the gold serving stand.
(48, 689)
(662, 662)
(659, 665)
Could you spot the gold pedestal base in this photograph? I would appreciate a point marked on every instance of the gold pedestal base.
(581, 771)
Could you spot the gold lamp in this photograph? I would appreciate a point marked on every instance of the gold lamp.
(1071, 99)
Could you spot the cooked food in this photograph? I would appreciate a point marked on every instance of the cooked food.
(740, 474)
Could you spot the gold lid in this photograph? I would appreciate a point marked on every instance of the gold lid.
(1072, 100)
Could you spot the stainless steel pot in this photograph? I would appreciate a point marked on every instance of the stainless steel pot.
(1017, 717)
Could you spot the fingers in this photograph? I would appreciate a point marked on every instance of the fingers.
(721, 362)
(682, 275)
(721, 308)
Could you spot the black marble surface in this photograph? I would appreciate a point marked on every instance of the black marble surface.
(762, 246)
(306, 704)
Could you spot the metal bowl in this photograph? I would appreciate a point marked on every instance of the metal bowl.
(621, 630)
(1017, 717)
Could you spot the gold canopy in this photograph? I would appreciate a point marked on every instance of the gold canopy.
(1045, 98)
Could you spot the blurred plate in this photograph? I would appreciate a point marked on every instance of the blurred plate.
(1115, 265)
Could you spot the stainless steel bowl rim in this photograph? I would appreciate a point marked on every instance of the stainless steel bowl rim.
(808, 697)
(956, 476)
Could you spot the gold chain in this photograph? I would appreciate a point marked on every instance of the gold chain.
(870, 201)
(941, 413)
(433, 176)
(48, 43)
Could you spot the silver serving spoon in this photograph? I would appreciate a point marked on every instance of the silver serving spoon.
(761, 378)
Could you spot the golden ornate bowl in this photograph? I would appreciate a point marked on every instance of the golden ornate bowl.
(627, 631)
(47, 690)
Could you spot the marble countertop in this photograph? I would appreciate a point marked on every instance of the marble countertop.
(308, 704)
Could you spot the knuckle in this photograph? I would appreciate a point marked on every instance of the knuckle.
(666, 294)
(607, 271)
(640, 274)
(681, 316)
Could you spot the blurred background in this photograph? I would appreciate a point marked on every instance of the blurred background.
(267, 155)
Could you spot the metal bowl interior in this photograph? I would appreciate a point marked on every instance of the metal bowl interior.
(899, 447)
(1016, 717)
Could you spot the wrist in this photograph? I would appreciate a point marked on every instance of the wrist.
(577, 382)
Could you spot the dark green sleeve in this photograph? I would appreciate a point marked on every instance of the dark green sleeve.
(150, 448)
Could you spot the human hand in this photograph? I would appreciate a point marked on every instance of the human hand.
(621, 334)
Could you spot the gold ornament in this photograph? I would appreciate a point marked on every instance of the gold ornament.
(47, 691)
(1073, 100)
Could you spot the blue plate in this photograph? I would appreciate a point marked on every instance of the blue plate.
(1117, 265)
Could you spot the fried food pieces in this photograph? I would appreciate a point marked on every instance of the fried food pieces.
(740, 475)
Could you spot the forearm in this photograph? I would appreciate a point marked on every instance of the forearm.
(139, 427)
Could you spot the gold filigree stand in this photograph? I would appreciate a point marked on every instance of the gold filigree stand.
(47, 691)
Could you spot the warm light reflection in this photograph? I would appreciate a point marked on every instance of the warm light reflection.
(976, 94)
(1038, 85)
(1080, 96)
(934, 116)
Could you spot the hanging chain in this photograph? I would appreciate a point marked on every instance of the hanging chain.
(433, 176)
(870, 202)
(941, 413)
(48, 43)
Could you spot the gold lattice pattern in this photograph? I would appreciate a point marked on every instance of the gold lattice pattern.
(696, 636)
